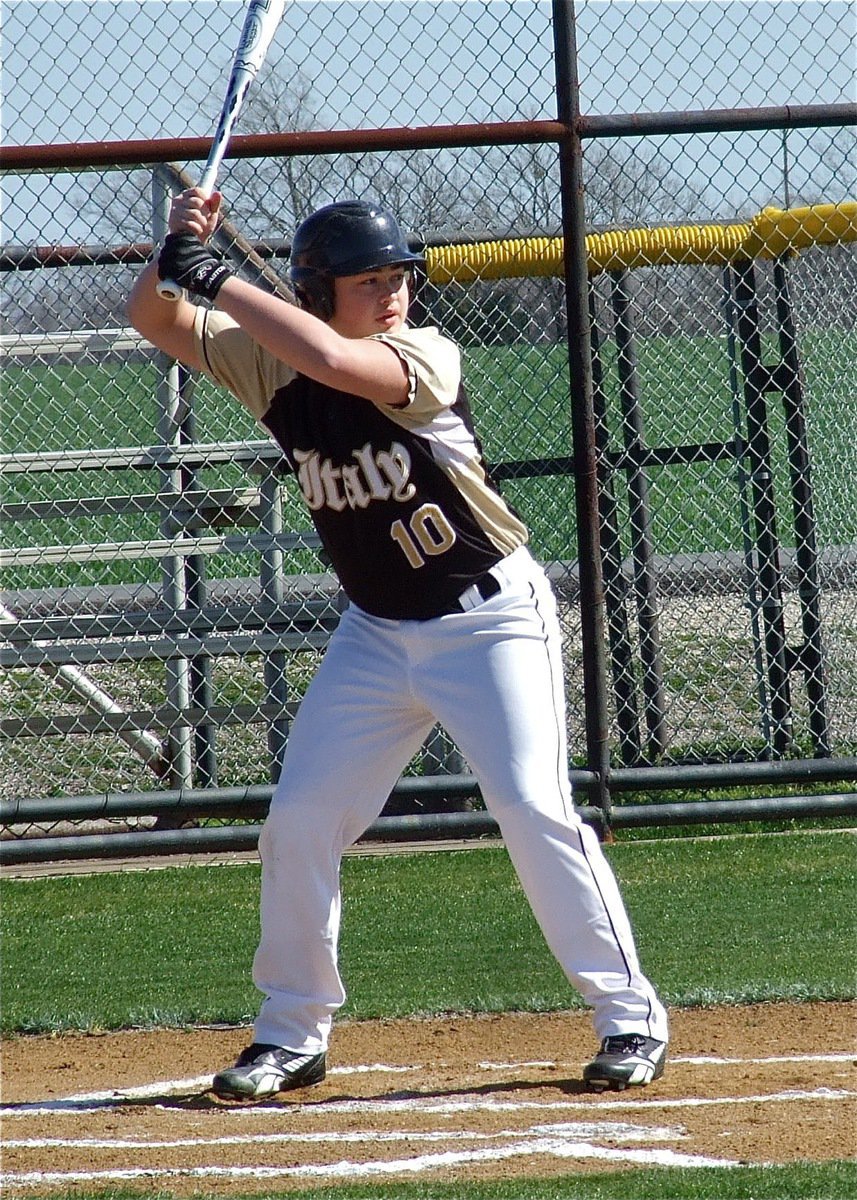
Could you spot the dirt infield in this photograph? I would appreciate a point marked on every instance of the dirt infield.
(461, 1097)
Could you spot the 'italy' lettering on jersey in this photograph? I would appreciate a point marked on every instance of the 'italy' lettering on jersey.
(374, 475)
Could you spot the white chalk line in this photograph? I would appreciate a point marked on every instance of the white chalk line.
(417, 1104)
(488, 1105)
(615, 1130)
(90, 1101)
(691, 1060)
(569, 1140)
(557, 1147)
(515, 1066)
(166, 1087)
(705, 1060)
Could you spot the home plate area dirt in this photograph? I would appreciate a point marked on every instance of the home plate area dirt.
(444, 1099)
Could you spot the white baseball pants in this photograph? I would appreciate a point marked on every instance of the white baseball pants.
(492, 676)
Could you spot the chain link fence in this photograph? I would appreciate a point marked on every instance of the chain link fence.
(165, 600)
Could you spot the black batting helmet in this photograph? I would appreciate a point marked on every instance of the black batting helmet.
(346, 238)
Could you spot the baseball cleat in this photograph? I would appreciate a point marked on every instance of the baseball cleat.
(263, 1070)
(626, 1060)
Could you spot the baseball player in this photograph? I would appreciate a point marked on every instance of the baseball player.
(449, 620)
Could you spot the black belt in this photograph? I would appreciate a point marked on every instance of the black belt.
(474, 594)
(484, 588)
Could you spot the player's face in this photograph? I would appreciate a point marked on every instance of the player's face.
(372, 302)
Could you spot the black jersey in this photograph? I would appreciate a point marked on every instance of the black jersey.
(401, 498)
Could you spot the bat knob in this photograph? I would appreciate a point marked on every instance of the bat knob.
(168, 289)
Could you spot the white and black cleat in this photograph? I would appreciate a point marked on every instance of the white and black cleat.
(626, 1060)
(263, 1070)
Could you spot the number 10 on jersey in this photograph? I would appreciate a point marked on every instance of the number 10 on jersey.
(427, 533)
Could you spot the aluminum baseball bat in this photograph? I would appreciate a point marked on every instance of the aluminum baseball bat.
(260, 25)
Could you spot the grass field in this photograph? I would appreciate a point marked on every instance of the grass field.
(782, 929)
(835, 1181)
(719, 921)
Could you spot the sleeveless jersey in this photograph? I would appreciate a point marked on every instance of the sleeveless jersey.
(401, 498)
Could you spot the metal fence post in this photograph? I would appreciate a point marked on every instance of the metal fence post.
(200, 666)
(640, 517)
(757, 381)
(615, 584)
(582, 412)
(273, 585)
(191, 677)
(742, 481)
(811, 653)
(178, 742)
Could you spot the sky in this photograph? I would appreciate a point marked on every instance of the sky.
(99, 70)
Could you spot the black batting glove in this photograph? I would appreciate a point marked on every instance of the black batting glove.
(190, 264)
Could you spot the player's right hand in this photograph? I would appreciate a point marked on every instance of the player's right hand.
(194, 212)
(185, 261)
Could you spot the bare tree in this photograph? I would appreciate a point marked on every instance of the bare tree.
(268, 196)
(429, 191)
(275, 194)
(829, 165)
(117, 204)
(626, 185)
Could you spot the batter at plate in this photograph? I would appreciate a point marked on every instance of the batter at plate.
(449, 620)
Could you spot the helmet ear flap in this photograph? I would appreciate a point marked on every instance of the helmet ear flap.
(413, 283)
(315, 294)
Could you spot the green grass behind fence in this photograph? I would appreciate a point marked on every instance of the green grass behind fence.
(520, 394)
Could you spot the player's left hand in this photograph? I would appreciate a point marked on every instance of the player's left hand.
(186, 261)
(194, 212)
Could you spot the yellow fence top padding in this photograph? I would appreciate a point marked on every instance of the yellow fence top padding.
(770, 233)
